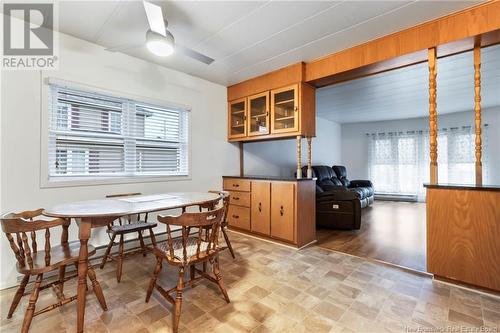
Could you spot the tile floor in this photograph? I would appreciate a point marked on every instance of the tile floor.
(273, 289)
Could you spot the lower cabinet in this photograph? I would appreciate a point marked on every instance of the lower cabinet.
(261, 207)
(279, 209)
(282, 210)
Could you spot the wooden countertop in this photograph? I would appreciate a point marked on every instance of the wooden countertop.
(276, 178)
(471, 187)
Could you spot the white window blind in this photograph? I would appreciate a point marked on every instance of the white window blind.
(95, 135)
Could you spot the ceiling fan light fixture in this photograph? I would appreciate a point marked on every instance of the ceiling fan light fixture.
(159, 45)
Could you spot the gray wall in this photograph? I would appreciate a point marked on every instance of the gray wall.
(355, 143)
(279, 158)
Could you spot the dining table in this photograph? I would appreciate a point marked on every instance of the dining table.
(99, 213)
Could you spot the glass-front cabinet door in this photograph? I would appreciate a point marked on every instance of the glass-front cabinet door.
(258, 110)
(237, 118)
(285, 110)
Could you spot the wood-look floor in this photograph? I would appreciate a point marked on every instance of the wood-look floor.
(390, 231)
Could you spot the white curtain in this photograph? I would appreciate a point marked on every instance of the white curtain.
(399, 161)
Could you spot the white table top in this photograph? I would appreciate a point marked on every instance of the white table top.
(130, 205)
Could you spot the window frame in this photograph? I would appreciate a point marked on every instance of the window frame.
(47, 182)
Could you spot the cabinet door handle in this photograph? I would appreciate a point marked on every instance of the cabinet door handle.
(236, 185)
(236, 216)
(260, 206)
(282, 211)
(296, 109)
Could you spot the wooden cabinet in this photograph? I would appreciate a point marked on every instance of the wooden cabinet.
(277, 113)
(237, 119)
(258, 118)
(285, 109)
(284, 210)
(261, 207)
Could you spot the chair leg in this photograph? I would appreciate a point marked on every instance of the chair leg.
(228, 242)
(143, 247)
(31, 305)
(62, 274)
(108, 250)
(178, 301)
(152, 236)
(192, 273)
(97, 288)
(218, 276)
(152, 282)
(17, 297)
(119, 263)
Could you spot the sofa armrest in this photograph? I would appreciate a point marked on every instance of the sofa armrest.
(361, 183)
(340, 194)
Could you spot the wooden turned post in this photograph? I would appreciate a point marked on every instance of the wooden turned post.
(433, 115)
(477, 112)
(299, 158)
(309, 157)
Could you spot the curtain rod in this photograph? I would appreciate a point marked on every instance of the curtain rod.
(444, 129)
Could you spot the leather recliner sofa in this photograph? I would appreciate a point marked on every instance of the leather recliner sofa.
(337, 205)
(364, 188)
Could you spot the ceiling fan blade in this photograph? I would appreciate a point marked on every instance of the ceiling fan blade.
(155, 18)
(124, 47)
(193, 54)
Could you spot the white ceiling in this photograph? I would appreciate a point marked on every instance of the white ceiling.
(403, 93)
(248, 38)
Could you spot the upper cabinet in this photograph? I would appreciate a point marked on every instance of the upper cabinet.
(287, 111)
(237, 119)
(258, 121)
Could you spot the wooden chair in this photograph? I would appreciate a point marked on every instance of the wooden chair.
(126, 225)
(225, 203)
(187, 251)
(32, 261)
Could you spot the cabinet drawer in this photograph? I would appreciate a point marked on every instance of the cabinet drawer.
(239, 217)
(239, 198)
(235, 184)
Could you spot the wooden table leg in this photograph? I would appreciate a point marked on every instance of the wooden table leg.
(84, 235)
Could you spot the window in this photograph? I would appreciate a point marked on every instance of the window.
(93, 135)
(399, 162)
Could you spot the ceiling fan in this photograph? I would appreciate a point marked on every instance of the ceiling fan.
(159, 40)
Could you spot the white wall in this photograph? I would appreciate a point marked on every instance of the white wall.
(88, 64)
(279, 158)
(355, 142)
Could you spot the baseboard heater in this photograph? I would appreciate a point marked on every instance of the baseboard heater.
(396, 197)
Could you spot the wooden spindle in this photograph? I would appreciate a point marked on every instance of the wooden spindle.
(14, 248)
(433, 114)
(64, 235)
(27, 249)
(309, 157)
(477, 112)
(47, 247)
(33, 241)
(299, 157)
(20, 245)
(170, 242)
(184, 243)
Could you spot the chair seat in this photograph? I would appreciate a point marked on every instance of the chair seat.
(132, 227)
(63, 254)
(191, 249)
